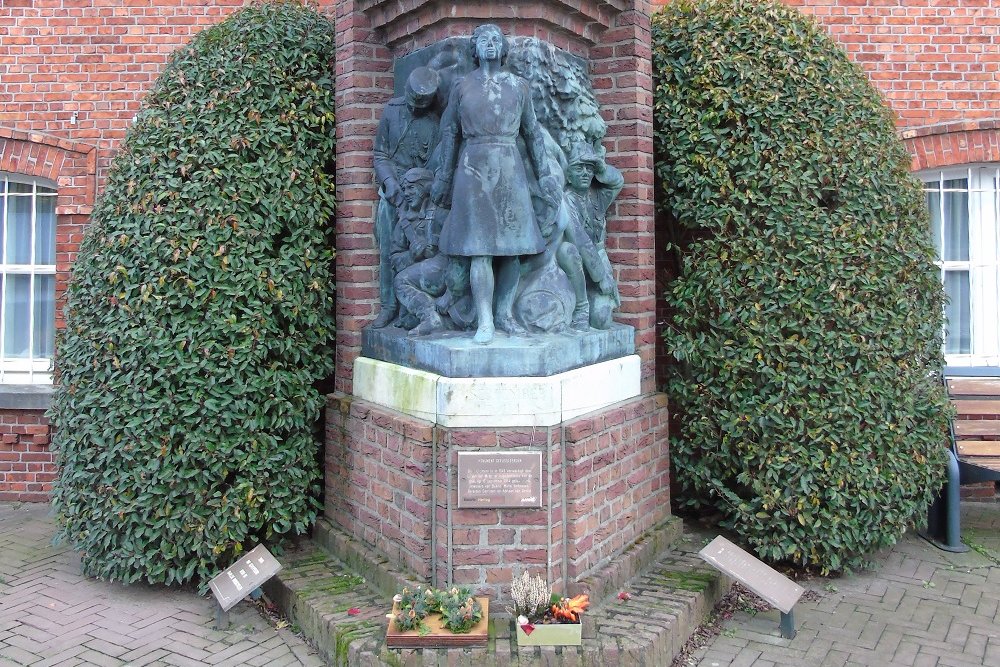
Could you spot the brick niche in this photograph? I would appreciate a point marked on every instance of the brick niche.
(612, 34)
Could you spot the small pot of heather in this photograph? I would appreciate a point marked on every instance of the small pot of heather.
(544, 618)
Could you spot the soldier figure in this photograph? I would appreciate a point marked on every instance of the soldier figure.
(592, 185)
(406, 137)
(420, 269)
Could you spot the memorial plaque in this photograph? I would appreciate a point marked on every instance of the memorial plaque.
(499, 479)
(244, 576)
(780, 591)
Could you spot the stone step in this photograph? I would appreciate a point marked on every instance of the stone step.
(316, 591)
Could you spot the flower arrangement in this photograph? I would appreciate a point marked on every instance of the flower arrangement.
(460, 611)
(537, 608)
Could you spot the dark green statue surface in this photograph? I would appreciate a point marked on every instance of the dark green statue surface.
(492, 221)
(406, 135)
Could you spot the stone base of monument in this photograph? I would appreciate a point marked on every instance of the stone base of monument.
(497, 401)
(576, 494)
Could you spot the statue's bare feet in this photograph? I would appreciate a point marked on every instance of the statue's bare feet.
(484, 334)
(511, 326)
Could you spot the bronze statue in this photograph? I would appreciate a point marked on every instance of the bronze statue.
(421, 270)
(491, 220)
(407, 134)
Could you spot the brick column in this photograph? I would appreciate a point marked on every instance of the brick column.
(364, 85)
(621, 71)
(391, 479)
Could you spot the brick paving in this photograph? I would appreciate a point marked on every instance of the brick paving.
(50, 615)
(917, 607)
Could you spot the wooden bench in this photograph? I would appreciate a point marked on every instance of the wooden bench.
(976, 428)
(974, 454)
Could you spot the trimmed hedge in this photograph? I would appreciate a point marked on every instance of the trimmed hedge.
(200, 312)
(805, 316)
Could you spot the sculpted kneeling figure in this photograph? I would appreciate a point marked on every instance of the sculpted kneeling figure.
(421, 271)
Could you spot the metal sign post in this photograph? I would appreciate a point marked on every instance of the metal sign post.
(241, 579)
(780, 591)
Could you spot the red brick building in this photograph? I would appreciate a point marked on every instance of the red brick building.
(73, 73)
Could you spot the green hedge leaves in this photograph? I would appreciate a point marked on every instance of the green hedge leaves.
(200, 312)
(805, 313)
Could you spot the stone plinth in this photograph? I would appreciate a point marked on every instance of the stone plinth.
(454, 354)
(391, 482)
(493, 401)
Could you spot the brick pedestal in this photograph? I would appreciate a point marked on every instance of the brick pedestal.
(392, 484)
(391, 478)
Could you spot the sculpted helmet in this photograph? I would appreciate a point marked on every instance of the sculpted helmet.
(583, 153)
(422, 87)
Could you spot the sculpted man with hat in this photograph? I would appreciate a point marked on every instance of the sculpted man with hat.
(406, 137)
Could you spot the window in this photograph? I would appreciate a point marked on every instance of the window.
(964, 209)
(27, 279)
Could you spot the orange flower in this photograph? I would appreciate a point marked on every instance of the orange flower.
(569, 609)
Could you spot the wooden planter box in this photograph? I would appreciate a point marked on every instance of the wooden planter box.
(438, 635)
(555, 634)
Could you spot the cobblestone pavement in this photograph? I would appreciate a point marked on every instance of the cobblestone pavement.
(51, 615)
(918, 607)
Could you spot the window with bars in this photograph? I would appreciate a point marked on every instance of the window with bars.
(964, 206)
(27, 279)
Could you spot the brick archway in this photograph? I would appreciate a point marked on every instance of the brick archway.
(71, 165)
(950, 144)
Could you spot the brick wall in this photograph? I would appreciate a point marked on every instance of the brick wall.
(618, 480)
(392, 483)
(72, 76)
(26, 466)
(937, 64)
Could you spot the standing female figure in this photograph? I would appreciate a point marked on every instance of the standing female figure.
(492, 220)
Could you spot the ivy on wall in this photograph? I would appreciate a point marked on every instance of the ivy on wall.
(805, 314)
(200, 312)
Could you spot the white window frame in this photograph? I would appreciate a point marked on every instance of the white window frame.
(983, 263)
(20, 370)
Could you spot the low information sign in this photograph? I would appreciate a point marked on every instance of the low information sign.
(244, 576)
(499, 479)
(780, 591)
